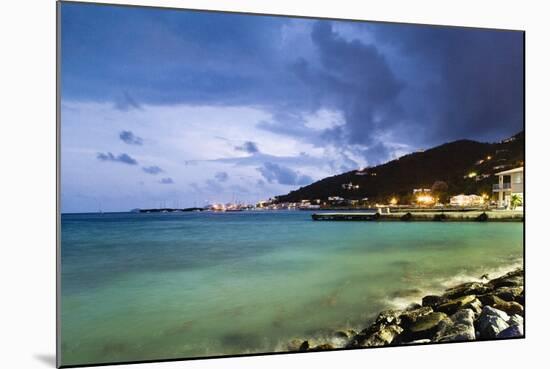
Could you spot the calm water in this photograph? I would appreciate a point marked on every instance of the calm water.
(151, 286)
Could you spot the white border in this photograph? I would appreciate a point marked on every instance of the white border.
(27, 36)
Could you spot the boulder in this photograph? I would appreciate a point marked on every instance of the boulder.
(476, 306)
(433, 300)
(413, 306)
(324, 346)
(453, 306)
(512, 279)
(471, 288)
(510, 307)
(508, 293)
(294, 345)
(461, 329)
(511, 332)
(426, 326)
(489, 299)
(383, 337)
(304, 346)
(388, 317)
(408, 317)
(515, 320)
(491, 322)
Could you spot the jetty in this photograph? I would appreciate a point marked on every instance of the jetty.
(439, 216)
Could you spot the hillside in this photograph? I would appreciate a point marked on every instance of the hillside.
(451, 162)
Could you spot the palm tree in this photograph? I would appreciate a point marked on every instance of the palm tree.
(515, 201)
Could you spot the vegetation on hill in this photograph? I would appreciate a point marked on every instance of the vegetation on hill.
(462, 166)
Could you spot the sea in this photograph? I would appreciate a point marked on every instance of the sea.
(138, 286)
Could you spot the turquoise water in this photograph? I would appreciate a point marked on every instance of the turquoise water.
(157, 286)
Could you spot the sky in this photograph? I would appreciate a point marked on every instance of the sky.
(185, 108)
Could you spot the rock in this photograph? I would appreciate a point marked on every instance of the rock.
(476, 306)
(294, 345)
(508, 293)
(491, 322)
(383, 337)
(461, 329)
(410, 316)
(510, 307)
(324, 346)
(511, 331)
(413, 306)
(515, 320)
(472, 288)
(453, 306)
(488, 310)
(512, 279)
(304, 346)
(388, 317)
(433, 300)
(426, 326)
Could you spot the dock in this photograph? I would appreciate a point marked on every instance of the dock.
(437, 216)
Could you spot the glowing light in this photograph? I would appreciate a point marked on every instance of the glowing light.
(393, 201)
(425, 199)
(472, 174)
(489, 157)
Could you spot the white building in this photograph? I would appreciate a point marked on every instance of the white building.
(467, 200)
(510, 182)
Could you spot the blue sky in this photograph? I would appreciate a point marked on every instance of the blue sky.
(183, 108)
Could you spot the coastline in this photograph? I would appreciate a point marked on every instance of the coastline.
(485, 308)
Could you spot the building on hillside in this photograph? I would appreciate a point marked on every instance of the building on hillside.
(467, 200)
(510, 183)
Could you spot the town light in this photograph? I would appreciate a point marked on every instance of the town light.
(393, 201)
(472, 174)
(425, 199)
(489, 157)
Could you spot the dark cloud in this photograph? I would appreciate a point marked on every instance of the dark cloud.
(463, 83)
(416, 85)
(153, 169)
(130, 138)
(166, 180)
(121, 158)
(283, 175)
(222, 176)
(249, 147)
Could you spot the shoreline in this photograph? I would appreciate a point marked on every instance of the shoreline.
(477, 310)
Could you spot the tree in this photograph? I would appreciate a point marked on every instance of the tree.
(439, 190)
(515, 201)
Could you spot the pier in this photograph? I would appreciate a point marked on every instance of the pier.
(436, 216)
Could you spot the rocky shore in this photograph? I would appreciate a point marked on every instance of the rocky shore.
(492, 309)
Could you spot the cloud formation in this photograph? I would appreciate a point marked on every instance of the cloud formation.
(130, 138)
(121, 158)
(222, 176)
(248, 147)
(166, 180)
(153, 169)
(283, 175)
